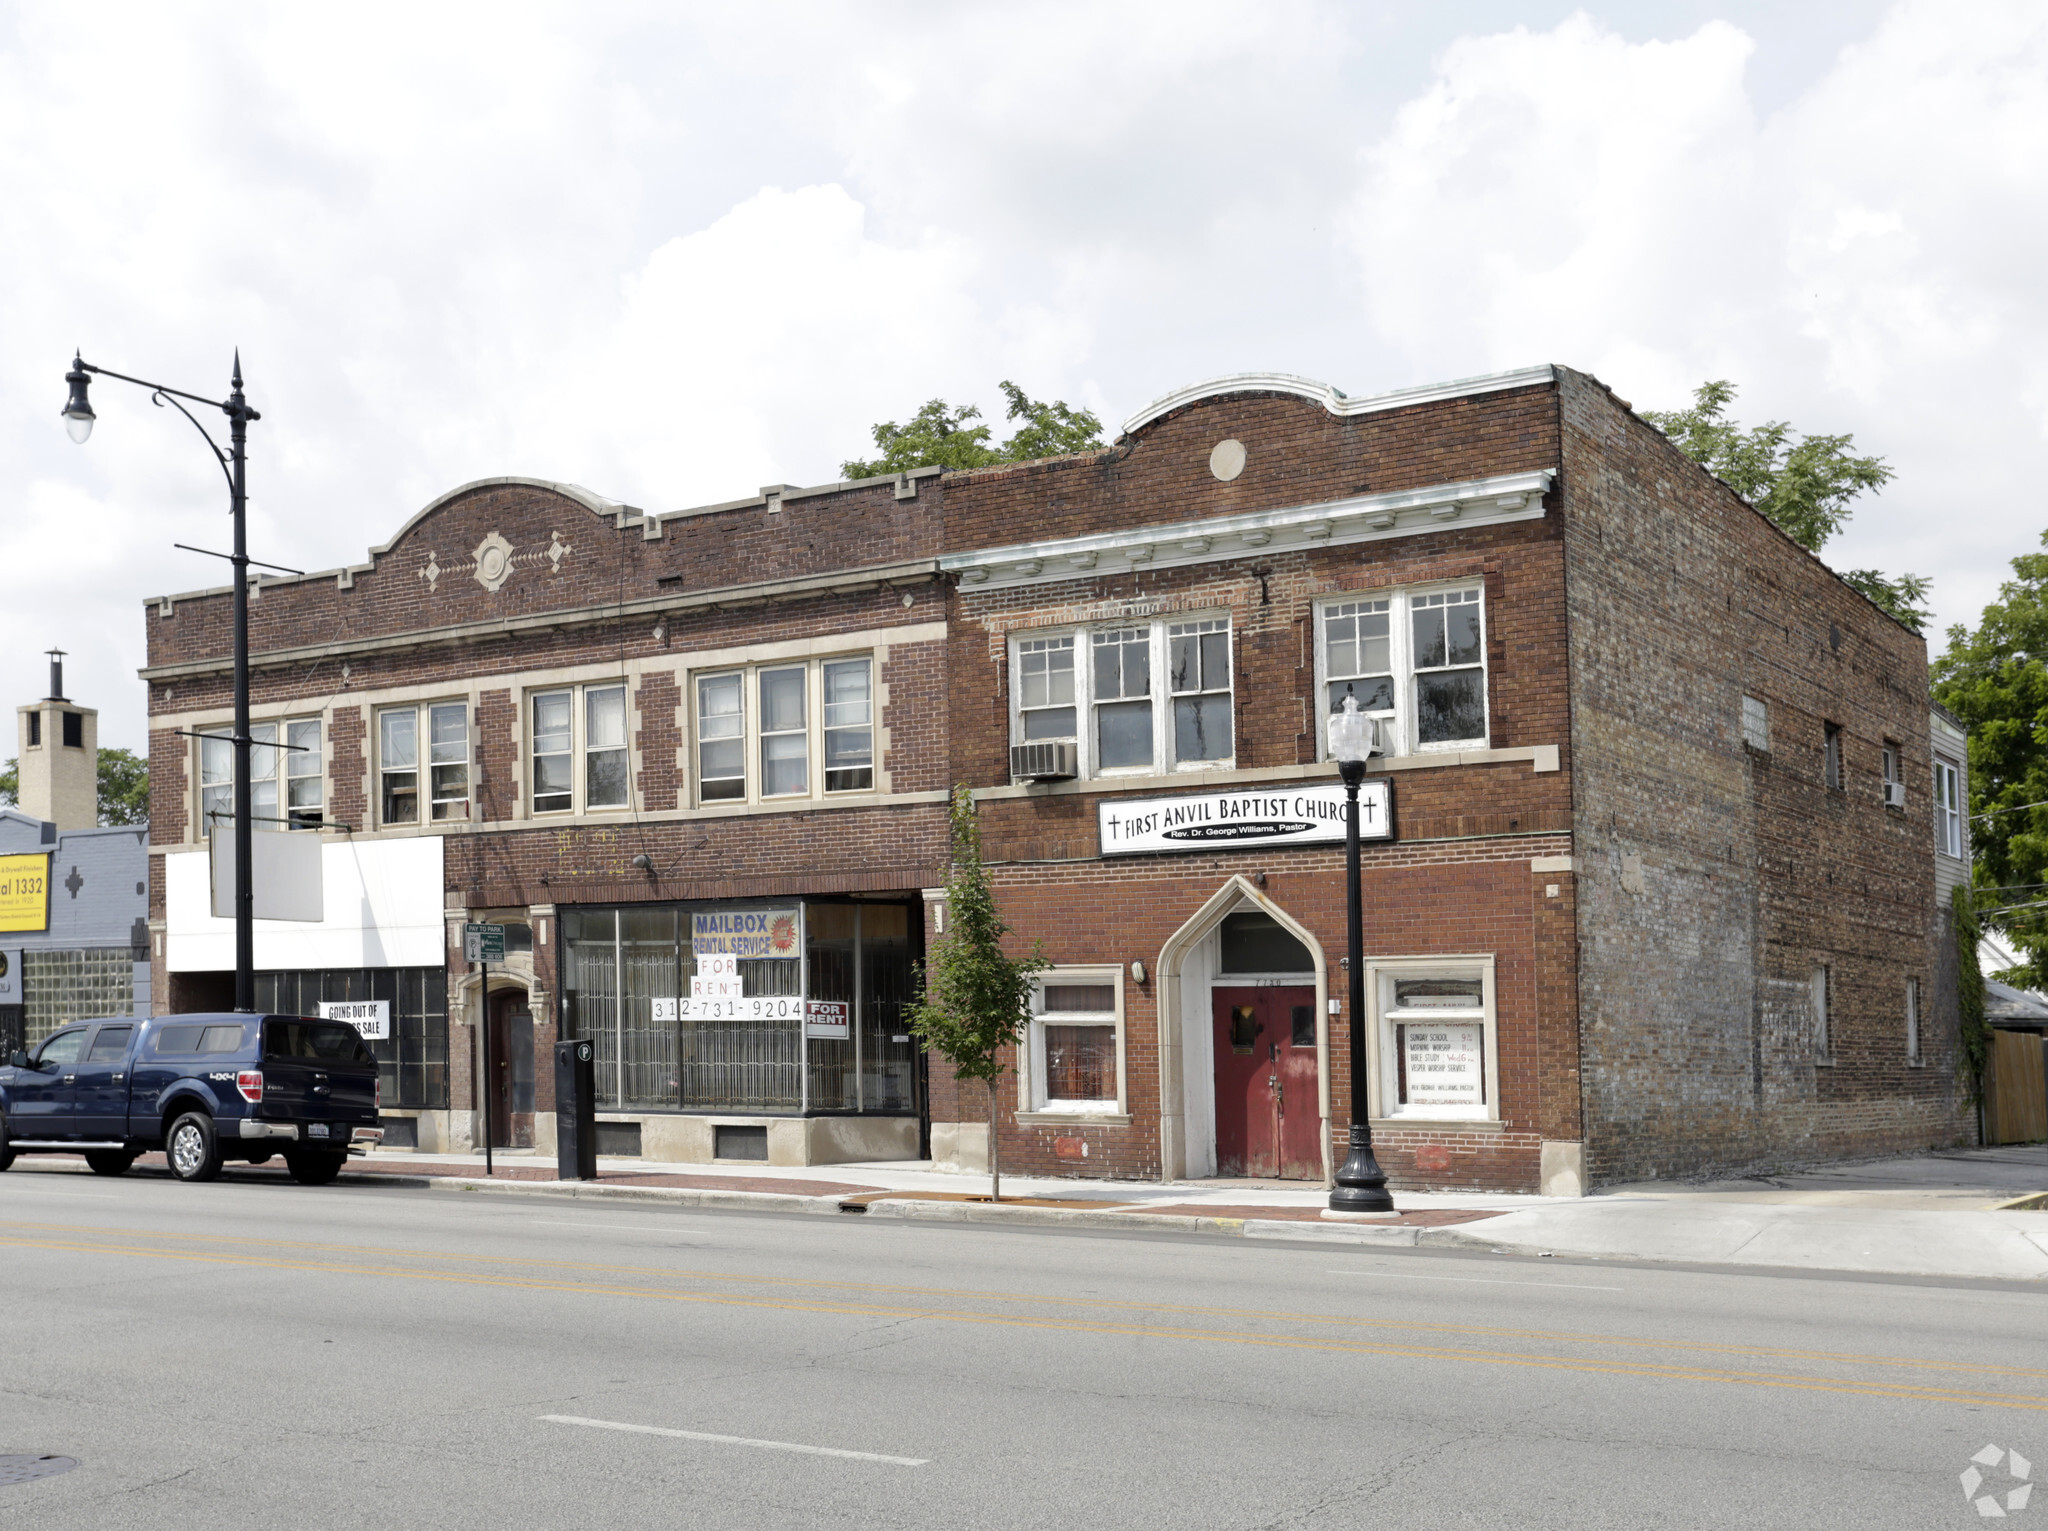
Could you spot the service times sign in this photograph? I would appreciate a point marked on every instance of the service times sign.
(1306, 814)
(25, 892)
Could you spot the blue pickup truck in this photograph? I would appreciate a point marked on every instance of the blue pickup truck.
(203, 1088)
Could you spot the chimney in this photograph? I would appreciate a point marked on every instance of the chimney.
(58, 746)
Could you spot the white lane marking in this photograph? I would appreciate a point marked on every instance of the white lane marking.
(1569, 1286)
(735, 1440)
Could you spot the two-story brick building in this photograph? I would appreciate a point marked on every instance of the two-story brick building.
(1651, 888)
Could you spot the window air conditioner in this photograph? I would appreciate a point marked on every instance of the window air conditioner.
(1045, 760)
(1895, 794)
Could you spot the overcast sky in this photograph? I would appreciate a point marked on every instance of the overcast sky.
(676, 255)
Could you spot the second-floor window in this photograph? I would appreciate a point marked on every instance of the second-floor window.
(1948, 808)
(439, 733)
(777, 731)
(1416, 661)
(579, 749)
(300, 770)
(1133, 698)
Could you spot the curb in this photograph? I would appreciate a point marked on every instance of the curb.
(939, 1211)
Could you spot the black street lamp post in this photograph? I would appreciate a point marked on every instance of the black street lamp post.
(78, 420)
(1361, 1184)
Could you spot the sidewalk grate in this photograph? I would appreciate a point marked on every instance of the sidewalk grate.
(28, 1469)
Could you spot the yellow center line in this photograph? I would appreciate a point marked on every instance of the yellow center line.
(1629, 1342)
(1071, 1326)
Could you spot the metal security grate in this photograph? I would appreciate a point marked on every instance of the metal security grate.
(28, 1469)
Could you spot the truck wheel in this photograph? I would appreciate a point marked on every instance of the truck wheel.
(314, 1169)
(109, 1161)
(191, 1147)
(6, 1153)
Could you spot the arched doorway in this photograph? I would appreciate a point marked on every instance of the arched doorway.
(1244, 1042)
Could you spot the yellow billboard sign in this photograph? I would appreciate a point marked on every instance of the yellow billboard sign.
(25, 892)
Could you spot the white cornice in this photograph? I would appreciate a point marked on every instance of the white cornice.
(1362, 518)
(1332, 399)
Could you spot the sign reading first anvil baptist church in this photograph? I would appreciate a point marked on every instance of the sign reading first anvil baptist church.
(1302, 814)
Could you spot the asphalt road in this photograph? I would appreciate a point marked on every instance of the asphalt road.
(266, 1355)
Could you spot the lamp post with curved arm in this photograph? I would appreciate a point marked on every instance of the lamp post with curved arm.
(78, 420)
(1361, 1184)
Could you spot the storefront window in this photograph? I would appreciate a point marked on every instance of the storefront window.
(412, 1059)
(696, 1008)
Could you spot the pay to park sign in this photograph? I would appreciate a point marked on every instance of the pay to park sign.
(1306, 814)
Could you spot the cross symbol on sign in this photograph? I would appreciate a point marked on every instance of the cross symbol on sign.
(74, 882)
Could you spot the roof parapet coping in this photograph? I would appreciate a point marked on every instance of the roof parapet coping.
(1335, 400)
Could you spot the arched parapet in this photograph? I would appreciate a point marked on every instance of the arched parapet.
(1335, 400)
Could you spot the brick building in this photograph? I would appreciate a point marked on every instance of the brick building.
(1651, 889)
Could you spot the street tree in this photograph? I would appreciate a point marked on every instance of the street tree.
(1804, 484)
(123, 787)
(942, 435)
(1996, 680)
(974, 1000)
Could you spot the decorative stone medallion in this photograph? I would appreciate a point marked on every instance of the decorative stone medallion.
(493, 562)
(1227, 460)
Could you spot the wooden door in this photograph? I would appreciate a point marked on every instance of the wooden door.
(1268, 1117)
(511, 1071)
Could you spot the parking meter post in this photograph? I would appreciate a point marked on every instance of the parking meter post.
(575, 1110)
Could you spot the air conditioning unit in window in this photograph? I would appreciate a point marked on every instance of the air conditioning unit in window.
(1895, 794)
(1045, 760)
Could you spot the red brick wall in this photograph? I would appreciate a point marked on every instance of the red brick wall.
(1714, 877)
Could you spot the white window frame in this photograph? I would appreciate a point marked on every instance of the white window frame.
(1032, 1078)
(269, 782)
(424, 763)
(816, 726)
(1948, 807)
(579, 750)
(1399, 728)
(1380, 976)
(1159, 631)
(305, 766)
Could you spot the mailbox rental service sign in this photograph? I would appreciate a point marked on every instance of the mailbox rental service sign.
(1305, 814)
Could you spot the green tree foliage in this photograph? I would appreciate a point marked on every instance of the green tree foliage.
(974, 1001)
(123, 787)
(1996, 680)
(1803, 483)
(941, 435)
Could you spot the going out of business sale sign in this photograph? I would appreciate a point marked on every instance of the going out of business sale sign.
(1306, 814)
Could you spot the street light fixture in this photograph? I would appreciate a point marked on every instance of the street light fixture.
(1361, 1184)
(78, 420)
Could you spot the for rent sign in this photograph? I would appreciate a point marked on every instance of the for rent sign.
(1299, 815)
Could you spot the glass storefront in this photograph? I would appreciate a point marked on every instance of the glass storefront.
(788, 1007)
(412, 1061)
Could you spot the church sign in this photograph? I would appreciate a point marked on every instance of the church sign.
(1256, 817)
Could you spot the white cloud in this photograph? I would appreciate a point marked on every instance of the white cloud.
(1857, 261)
(675, 254)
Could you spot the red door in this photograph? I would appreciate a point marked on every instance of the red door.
(1268, 1124)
